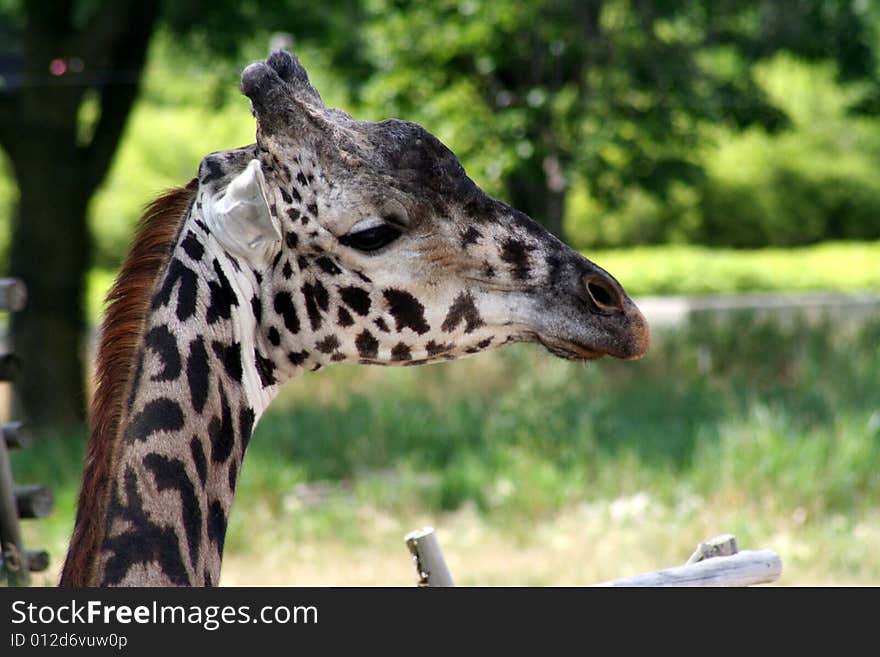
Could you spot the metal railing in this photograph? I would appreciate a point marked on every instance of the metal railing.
(17, 502)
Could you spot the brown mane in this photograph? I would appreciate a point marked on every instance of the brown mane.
(128, 304)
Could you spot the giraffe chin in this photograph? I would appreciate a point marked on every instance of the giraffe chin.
(571, 350)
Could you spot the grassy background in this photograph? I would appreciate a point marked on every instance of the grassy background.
(583, 473)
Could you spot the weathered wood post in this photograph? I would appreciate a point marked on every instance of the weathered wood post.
(428, 558)
(16, 502)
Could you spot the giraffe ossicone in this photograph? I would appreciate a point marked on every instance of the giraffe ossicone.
(328, 240)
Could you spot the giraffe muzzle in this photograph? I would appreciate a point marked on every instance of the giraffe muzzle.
(623, 330)
(601, 319)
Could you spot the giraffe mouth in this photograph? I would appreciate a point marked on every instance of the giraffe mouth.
(570, 350)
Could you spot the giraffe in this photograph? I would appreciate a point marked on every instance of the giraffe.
(329, 240)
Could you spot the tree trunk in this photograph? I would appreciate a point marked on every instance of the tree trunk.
(50, 253)
(57, 171)
(540, 191)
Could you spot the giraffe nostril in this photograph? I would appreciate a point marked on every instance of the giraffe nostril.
(604, 294)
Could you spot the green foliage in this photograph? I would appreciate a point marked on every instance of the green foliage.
(618, 97)
(8, 199)
(650, 153)
(232, 30)
(760, 188)
(780, 190)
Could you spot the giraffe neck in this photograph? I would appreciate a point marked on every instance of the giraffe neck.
(193, 404)
(200, 379)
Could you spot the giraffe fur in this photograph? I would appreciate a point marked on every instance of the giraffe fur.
(329, 240)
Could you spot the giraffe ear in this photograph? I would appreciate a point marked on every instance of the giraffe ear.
(240, 219)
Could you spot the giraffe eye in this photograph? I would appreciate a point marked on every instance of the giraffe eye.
(371, 239)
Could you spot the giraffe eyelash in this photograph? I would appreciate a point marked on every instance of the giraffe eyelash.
(371, 239)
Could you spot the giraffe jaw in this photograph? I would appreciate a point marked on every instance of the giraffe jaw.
(570, 350)
(623, 334)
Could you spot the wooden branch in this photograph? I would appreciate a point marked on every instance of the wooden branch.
(13, 294)
(742, 569)
(33, 501)
(125, 50)
(37, 560)
(716, 562)
(428, 558)
(720, 546)
(14, 435)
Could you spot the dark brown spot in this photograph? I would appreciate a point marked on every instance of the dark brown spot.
(470, 236)
(230, 356)
(367, 345)
(463, 309)
(327, 266)
(406, 310)
(192, 246)
(317, 302)
(435, 349)
(345, 318)
(515, 253)
(400, 352)
(328, 345)
(265, 368)
(297, 358)
(356, 298)
(283, 305)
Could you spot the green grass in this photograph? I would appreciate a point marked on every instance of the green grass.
(543, 471)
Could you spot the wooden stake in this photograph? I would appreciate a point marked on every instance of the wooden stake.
(428, 558)
(37, 560)
(33, 501)
(14, 435)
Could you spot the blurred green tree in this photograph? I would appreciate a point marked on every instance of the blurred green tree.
(70, 72)
(537, 92)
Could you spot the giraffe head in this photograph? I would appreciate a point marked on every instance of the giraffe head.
(369, 243)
